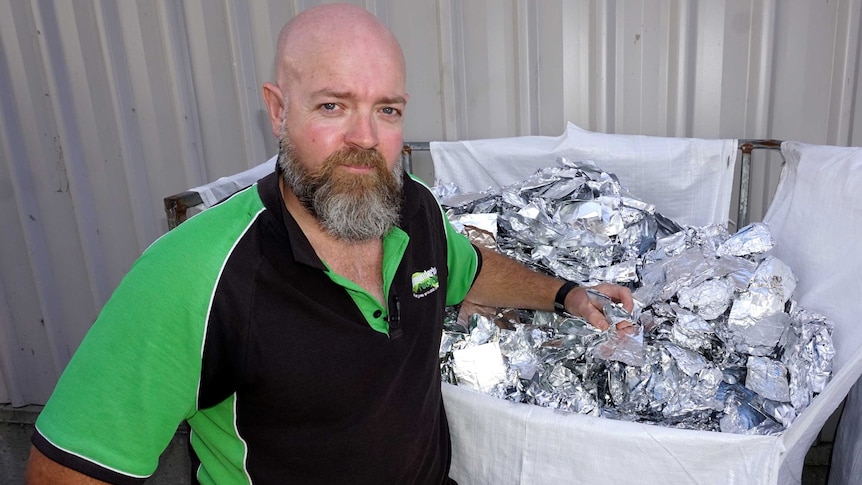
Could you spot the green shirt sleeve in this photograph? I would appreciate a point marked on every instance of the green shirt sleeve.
(132, 380)
(135, 376)
(463, 264)
(463, 261)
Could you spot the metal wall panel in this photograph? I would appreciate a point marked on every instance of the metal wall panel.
(106, 107)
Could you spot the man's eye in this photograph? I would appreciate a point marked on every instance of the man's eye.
(329, 106)
(390, 111)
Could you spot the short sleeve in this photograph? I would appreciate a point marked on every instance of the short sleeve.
(128, 386)
(136, 374)
(463, 264)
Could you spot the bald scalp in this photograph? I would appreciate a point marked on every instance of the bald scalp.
(330, 28)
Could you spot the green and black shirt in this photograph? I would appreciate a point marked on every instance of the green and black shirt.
(285, 371)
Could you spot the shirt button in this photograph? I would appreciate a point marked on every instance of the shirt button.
(377, 313)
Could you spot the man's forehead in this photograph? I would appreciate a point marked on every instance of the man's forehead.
(352, 95)
(349, 76)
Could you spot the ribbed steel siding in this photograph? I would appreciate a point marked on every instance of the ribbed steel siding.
(107, 107)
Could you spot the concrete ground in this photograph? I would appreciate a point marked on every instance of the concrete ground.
(16, 426)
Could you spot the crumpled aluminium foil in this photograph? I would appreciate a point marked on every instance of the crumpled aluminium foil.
(719, 343)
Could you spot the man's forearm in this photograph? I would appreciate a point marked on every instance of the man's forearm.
(42, 470)
(504, 282)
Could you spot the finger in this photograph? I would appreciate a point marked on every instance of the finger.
(601, 324)
(619, 294)
(627, 328)
(627, 300)
(596, 319)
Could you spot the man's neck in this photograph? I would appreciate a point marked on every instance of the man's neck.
(360, 262)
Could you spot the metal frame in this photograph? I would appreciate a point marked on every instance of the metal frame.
(176, 206)
(407, 152)
(746, 146)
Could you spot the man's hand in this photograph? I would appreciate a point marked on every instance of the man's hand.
(578, 302)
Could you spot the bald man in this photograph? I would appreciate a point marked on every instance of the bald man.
(296, 325)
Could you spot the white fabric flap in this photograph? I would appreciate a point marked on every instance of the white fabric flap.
(689, 180)
(816, 218)
(223, 187)
(497, 442)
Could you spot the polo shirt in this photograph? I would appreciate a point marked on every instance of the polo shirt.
(285, 371)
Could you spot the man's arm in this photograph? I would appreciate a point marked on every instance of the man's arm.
(504, 282)
(42, 470)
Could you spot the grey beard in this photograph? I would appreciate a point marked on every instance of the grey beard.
(342, 206)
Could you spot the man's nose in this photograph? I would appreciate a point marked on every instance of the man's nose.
(362, 132)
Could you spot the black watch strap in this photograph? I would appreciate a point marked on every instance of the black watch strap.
(560, 299)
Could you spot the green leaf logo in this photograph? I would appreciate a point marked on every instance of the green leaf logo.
(425, 282)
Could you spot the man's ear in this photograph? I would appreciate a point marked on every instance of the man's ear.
(274, 100)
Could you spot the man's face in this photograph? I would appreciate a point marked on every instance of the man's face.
(341, 136)
(345, 96)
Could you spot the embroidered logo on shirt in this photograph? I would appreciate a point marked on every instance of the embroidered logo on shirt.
(425, 282)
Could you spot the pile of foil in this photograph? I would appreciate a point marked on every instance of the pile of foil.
(719, 344)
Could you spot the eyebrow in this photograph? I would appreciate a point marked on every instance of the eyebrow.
(330, 93)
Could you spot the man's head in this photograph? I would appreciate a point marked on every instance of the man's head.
(337, 110)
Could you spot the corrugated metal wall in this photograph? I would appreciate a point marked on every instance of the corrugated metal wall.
(106, 107)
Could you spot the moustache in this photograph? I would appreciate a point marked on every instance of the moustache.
(352, 157)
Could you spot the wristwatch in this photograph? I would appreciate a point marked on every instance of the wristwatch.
(560, 299)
